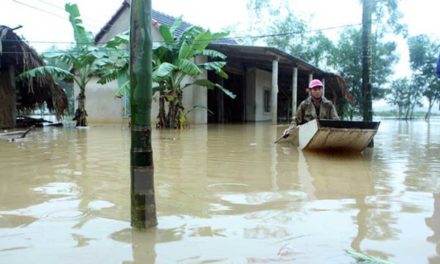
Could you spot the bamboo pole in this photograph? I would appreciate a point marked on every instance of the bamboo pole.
(143, 205)
(367, 110)
(366, 101)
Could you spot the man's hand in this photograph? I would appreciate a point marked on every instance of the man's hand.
(286, 133)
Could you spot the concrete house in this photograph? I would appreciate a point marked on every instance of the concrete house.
(268, 82)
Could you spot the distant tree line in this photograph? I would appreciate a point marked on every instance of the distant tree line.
(292, 35)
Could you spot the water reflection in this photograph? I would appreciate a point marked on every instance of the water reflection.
(225, 193)
(434, 223)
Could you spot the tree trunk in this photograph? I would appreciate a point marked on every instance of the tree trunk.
(81, 113)
(367, 110)
(428, 114)
(143, 205)
(8, 98)
(161, 115)
(171, 114)
(408, 110)
(180, 111)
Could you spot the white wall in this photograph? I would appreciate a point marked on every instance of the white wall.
(256, 82)
(121, 25)
(195, 95)
(103, 107)
(250, 94)
(263, 82)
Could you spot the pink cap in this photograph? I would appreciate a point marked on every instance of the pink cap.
(315, 83)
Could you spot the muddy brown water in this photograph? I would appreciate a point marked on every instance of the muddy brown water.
(224, 194)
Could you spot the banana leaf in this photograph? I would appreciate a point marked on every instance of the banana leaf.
(362, 258)
(45, 70)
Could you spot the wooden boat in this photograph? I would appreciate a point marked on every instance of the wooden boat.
(334, 135)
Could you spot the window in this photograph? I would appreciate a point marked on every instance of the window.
(266, 102)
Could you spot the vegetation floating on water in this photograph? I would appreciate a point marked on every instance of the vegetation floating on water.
(362, 258)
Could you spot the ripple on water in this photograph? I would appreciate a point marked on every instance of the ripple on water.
(261, 197)
(58, 188)
(99, 204)
(219, 188)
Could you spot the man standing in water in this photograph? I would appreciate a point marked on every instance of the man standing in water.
(316, 106)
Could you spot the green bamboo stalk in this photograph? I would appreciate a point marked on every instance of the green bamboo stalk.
(367, 109)
(367, 101)
(143, 205)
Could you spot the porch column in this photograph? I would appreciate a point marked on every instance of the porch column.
(294, 91)
(274, 96)
(310, 79)
(323, 86)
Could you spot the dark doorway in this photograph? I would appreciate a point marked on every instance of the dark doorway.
(223, 108)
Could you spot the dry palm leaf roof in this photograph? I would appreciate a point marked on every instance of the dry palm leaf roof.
(32, 93)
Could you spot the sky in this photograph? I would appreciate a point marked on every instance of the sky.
(45, 22)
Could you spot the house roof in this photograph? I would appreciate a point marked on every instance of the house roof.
(240, 57)
(34, 92)
(157, 17)
(260, 57)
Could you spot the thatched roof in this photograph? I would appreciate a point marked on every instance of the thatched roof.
(31, 93)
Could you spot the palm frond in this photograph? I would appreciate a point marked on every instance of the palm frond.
(176, 24)
(202, 40)
(213, 54)
(118, 40)
(216, 66)
(185, 51)
(195, 107)
(80, 34)
(166, 34)
(188, 67)
(163, 70)
(366, 259)
(226, 91)
(210, 85)
(45, 70)
(123, 90)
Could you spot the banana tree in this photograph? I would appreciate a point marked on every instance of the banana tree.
(85, 60)
(174, 60)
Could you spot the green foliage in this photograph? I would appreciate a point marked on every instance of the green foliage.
(423, 56)
(386, 16)
(79, 32)
(175, 60)
(346, 59)
(362, 258)
(406, 95)
(84, 61)
(45, 70)
(292, 35)
(64, 83)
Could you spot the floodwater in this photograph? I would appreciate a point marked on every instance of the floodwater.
(224, 194)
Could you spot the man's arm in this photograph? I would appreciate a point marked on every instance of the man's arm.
(297, 121)
(299, 114)
(333, 113)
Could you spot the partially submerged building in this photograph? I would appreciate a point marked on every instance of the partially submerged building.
(268, 82)
(26, 95)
